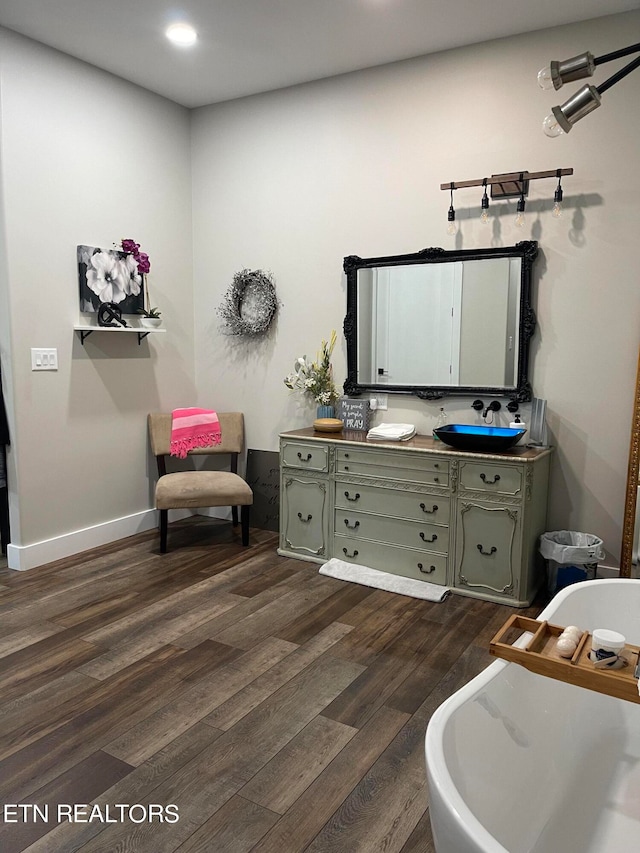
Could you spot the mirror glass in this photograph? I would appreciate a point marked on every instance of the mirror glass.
(438, 322)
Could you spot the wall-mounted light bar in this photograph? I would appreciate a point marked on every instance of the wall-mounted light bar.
(507, 185)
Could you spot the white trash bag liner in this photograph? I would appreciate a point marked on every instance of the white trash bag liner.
(567, 547)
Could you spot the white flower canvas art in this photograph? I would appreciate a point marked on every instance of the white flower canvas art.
(109, 275)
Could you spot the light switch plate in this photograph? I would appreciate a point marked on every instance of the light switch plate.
(44, 359)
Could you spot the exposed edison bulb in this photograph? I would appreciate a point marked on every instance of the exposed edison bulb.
(551, 127)
(545, 80)
(484, 205)
(557, 198)
(520, 219)
(451, 218)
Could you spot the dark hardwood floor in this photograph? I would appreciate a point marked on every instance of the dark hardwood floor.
(279, 710)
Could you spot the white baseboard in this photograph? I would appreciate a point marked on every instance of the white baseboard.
(216, 512)
(25, 557)
(608, 572)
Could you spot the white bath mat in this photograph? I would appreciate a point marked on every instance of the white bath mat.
(383, 580)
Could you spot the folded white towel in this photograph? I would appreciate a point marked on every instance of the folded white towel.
(392, 432)
(383, 580)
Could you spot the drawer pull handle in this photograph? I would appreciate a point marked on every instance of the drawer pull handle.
(347, 554)
(436, 479)
(356, 498)
(305, 520)
(351, 526)
(433, 509)
(487, 553)
(483, 477)
(426, 571)
(424, 538)
(346, 467)
(346, 455)
(305, 459)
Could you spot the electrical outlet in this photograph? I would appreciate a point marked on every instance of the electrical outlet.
(382, 401)
(44, 359)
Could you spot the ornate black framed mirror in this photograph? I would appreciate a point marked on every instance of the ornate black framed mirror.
(437, 323)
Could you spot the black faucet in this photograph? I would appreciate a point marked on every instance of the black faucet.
(494, 406)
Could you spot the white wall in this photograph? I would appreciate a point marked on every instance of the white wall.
(292, 181)
(86, 158)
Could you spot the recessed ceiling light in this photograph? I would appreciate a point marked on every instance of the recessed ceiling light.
(181, 34)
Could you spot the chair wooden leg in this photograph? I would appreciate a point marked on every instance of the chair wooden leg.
(244, 517)
(164, 515)
(234, 516)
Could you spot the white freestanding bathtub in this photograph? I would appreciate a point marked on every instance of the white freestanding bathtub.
(521, 763)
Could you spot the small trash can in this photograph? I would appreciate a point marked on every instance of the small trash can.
(570, 556)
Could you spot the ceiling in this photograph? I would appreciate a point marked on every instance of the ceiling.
(250, 46)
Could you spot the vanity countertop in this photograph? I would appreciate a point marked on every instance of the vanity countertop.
(419, 443)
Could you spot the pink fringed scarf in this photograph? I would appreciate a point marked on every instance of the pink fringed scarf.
(192, 428)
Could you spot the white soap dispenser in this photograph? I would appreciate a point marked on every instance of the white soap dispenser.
(517, 423)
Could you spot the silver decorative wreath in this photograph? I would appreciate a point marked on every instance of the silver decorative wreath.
(250, 303)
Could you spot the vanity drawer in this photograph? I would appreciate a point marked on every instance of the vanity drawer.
(491, 477)
(412, 461)
(394, 531)
(409, 563)
(384, 467)
(419, 506)
(407, 475)
(308, 457)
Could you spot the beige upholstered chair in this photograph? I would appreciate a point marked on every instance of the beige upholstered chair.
(192, 489)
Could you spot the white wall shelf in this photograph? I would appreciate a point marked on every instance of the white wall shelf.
(85, 330)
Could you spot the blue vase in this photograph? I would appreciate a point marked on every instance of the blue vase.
(325, 412)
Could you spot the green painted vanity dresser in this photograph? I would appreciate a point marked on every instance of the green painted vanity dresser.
(469, 521)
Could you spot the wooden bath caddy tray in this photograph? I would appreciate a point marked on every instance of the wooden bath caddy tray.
(541, 655)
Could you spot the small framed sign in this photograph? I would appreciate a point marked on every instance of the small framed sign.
(355, 414)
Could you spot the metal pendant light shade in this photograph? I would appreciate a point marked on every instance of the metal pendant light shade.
(561, 119)
(575, 68)
(579, 105)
